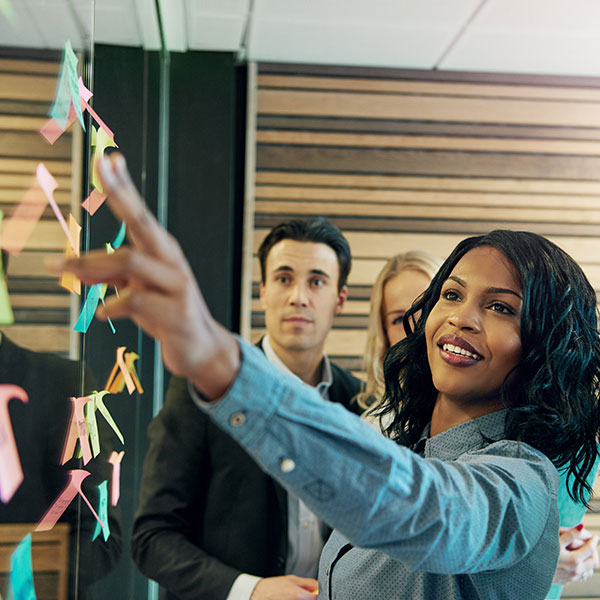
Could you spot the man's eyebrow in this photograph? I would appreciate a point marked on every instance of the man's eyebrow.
(288, 269)
(490, 290)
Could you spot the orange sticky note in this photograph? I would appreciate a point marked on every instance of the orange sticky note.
(68, 280)
(17, 229)
(48, 185)
(123, 375)
(11, 473)
(58, 507)
(115, 459)
(77, 431)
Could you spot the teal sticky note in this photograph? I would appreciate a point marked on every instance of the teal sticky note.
(120, 237)
(21, 571)
(71, 61)
(67, 89)
(102, 512)
(88, 309)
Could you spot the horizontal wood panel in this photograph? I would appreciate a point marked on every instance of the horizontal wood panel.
(49, 338)
(21, 122)
(58, 300)
(25, 180)
(459, 182)
(539, 93)
(365, 105)
(310, 138)
(422, 162)
(29, 144)
(15, 65)
(425, 128)
(20, 86)
(411, 211)
(25, 166)
(423, 197)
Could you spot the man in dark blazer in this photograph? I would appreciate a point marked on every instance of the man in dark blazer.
(210, 524)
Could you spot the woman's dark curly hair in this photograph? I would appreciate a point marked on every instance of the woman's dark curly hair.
(553, 396)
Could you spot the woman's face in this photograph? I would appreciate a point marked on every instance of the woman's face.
(473, 332)
(399, 293)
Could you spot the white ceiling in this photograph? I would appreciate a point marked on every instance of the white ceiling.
(514, 36)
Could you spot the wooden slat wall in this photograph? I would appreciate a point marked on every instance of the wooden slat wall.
(415, 160)
(42, 308)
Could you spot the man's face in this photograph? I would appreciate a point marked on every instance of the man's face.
(300, 294)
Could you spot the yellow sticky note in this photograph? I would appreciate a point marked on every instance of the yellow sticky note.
(101, 140)
(68, 280)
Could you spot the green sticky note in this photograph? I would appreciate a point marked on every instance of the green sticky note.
(8, 11)
(6, 313)
(67, 89)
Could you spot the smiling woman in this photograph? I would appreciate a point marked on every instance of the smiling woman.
(463, 505)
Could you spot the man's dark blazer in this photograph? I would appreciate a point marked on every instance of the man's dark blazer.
(39, 427)
(207, 512)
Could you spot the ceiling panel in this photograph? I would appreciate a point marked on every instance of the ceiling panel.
(536, 36)
(117, 23)
(347, 44)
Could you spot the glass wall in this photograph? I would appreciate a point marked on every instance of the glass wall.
(75, 394)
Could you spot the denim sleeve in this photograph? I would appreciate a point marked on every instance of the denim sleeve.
(486, 510)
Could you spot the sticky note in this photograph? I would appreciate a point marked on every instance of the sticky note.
(21, 571)
(118, 241)
(92, 426)
(58, 507)
(88, 310)
(6, 313)
(11, 473)
(48, 185)
(100, 140)
(123, 374)
(8, 11)
(85, 95)
(103, 512)
(68, 280)
(77, 431)
(115, 459)
(18, 228)
(59, 110)
(94, 201)
(99, 403)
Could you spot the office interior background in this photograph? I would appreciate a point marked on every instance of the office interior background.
(409, 124)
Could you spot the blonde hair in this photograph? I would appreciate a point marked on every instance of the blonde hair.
(377, 343)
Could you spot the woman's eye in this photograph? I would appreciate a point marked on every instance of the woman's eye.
(450, 295)
(502, 309)
(398, 320)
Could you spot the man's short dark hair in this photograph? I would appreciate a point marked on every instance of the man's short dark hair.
(317, 230)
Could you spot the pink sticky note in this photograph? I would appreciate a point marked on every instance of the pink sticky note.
(48, 185)
(58, 507)
(17, 229)
(84, 93)
(126, 374)
(77, 431)
(11, 473)
(115, 459)
(51, 130)
(94, 201)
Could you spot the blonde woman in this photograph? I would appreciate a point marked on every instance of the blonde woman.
(403, 278)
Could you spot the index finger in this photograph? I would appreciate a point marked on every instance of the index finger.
(143, 230)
